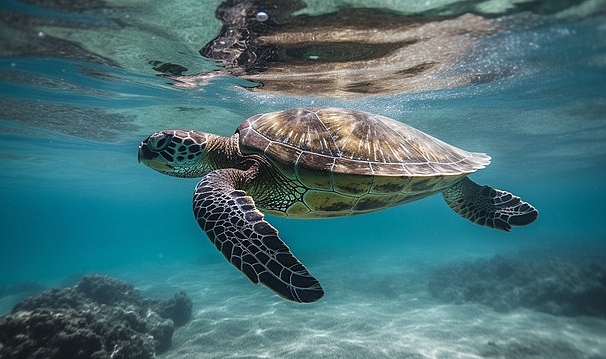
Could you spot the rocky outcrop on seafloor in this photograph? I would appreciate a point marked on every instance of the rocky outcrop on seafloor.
(100, 317)
(556, 286)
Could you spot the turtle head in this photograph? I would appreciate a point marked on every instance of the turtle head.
(179, 153)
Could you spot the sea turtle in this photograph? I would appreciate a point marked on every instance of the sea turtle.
(317, 163)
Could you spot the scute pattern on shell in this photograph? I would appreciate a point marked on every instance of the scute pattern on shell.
(354, 142)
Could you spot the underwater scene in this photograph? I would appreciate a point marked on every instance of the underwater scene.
(101, 255)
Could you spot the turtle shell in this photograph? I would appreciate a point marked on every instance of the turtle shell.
(356, 161)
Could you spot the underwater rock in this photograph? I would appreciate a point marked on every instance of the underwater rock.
(556, 286)
(178, 309)
(350, 52)
(100, 317)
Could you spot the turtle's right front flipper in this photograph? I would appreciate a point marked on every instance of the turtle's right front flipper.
(235, 226)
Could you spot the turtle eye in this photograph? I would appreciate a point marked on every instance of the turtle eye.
(159, 141)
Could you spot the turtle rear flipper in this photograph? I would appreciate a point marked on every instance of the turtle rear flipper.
(487, 206)
(235, 226)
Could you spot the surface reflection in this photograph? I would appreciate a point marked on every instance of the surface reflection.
(347, 53)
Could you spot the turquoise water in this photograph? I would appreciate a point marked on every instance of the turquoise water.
(76, 201)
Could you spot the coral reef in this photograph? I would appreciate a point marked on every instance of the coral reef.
(100, 317)
(556, 286)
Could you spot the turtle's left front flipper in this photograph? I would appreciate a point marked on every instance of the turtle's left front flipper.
(235, 226)
(488, 206)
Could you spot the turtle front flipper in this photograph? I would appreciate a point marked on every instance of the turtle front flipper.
(235, 226)
(487, 206)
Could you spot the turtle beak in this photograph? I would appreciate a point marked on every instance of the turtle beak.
(152, 159)
(144, 153)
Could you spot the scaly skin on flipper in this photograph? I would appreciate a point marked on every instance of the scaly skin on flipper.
(488, 206)
(235, 226)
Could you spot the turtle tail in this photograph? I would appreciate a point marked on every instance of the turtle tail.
(488, 206)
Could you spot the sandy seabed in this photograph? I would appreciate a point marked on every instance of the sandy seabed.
(384, 314)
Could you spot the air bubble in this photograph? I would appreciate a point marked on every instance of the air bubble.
(262, 16)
